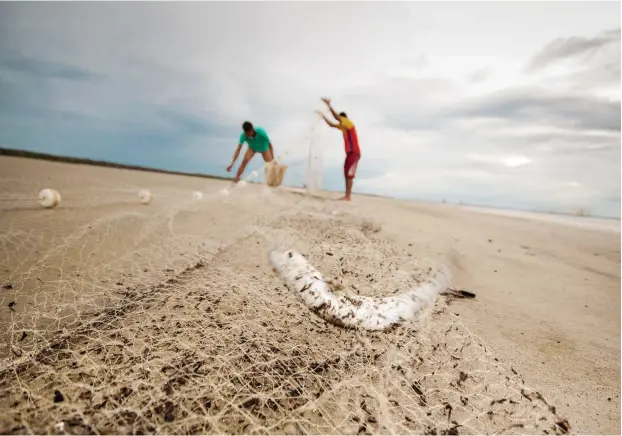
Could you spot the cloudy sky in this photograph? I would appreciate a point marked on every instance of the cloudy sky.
(505, 104)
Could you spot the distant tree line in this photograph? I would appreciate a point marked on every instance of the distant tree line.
(99, 163)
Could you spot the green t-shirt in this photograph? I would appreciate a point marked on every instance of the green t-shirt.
(260, 143)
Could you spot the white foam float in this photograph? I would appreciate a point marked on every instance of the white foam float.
(241, 183)
(49, 198)
(368, 313)
(254, 174)
(145, 196)
(224, 192)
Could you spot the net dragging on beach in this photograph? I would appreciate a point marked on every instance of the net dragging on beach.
(180, 326)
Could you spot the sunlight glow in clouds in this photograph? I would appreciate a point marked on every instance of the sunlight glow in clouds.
(515, 161)
(508, 161)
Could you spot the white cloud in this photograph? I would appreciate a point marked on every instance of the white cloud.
(507, 161)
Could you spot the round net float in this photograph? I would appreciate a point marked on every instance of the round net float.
(144, 196)
(254, 174)
(49, 198)
(197, 195)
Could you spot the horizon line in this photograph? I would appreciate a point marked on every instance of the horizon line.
(50, 157)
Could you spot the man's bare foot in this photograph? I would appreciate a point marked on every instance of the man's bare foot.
(236, 180)
(345, 198)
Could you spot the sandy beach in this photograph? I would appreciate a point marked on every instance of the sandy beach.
(122, 317)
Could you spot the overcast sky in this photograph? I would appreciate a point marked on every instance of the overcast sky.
(504, 104)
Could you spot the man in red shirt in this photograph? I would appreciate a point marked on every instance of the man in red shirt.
(351, 143)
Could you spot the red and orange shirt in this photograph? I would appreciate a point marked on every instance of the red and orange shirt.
(350, 138)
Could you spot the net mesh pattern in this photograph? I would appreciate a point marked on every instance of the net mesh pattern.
(181, 326)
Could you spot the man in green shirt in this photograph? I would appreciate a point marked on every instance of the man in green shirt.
(258, 142)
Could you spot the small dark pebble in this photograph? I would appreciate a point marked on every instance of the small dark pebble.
(252, 403)
(295, 392)
(564, 426)
(24, 334)
(328, 253)
(490, 240)
(11, 304)
(58, 397)
(7, 286)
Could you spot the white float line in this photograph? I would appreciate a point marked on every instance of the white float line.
(50, 198)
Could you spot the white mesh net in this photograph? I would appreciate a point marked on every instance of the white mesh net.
(315, 173)
(314, 176)
(168, 319)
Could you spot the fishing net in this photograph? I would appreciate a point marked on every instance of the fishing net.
(167, 318)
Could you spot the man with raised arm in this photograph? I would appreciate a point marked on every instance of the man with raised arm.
(258, 142)
(351, 143)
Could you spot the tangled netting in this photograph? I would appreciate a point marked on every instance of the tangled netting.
(172, 321)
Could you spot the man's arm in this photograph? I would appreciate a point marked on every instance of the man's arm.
(331, 124)
(235, 156)
(330, 107)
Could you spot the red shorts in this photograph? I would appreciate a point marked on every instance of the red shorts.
(349, 167)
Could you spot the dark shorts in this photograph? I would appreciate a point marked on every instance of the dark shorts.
(349, 167)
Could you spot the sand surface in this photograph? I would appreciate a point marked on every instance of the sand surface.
(548, 297)
(548, 293)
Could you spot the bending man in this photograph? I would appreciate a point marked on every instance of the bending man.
(351, 143)
(258, 142)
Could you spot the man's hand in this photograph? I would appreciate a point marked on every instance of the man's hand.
(332, 111)
(229, 168)
(327, 121)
